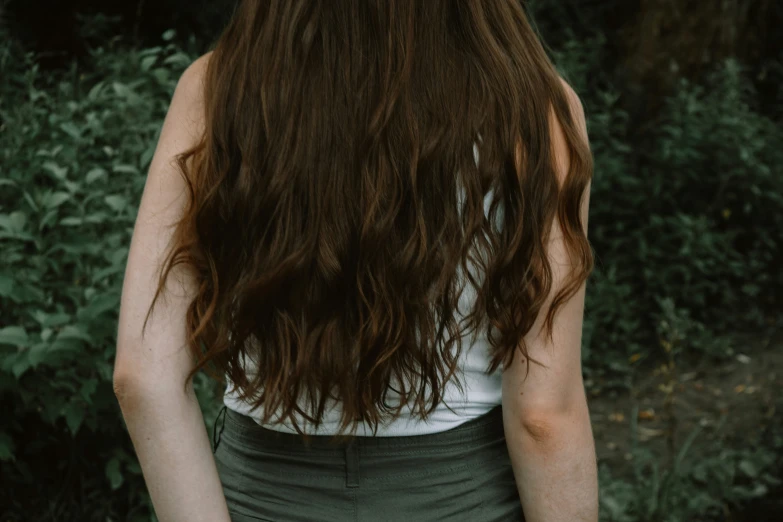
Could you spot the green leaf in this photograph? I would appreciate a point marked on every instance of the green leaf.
(162, 75)
(88, 388)
(56, 170)
(18, 220)
(6, 447)
(67, 345)
(126, 92)
(73, 332)
(146, 156)
(55, 319)
(20, 364)
(110, 270)
(72, 186)
(13, 222)
(113, 473)
(99, 305)
(71, 130)
(37, 354)
(147, 62)
(178, 59)
(121, 90)
(119, 257)
(125, 169)
(74, 416)
(6, 286)
(47, 219)
(612, 506)
(149, 51)
(30, 201)
(71, 221)
(26, 291)
(169, 35)
(14, 335)
(94, 174)
(96, 217)
(133, 466)
(116, 202)
(95, 91)
(748, 468)
(56, 199)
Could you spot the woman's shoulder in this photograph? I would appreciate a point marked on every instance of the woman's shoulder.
(577, 109)
(191, 82)
(186, 110)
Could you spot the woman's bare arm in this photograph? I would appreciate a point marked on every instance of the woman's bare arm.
(545, 415)
(164, 421)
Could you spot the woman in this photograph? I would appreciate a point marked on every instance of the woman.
(371, 218)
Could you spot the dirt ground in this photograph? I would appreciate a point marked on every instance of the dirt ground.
(733, 402)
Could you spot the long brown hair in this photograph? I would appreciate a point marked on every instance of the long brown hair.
(337, 200)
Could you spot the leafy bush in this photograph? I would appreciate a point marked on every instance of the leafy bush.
(692, 488)
(684, 211)
(74, 148)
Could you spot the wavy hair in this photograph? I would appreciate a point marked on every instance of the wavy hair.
(336, 200)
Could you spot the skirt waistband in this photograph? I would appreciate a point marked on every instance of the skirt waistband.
(242, 427)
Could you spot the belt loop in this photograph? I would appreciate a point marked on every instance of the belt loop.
(352, 465)
(215, 435)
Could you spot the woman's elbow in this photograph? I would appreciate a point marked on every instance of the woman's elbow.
(551, 428)
(129, 381)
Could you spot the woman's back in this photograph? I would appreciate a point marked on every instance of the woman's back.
(339, 151)
(364, 170)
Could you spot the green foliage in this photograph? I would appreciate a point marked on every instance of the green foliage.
(684, 214)
(74, 149)
(691, 489)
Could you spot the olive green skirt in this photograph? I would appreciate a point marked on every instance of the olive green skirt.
(461, 474)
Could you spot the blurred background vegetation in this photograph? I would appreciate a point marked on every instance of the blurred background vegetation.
(682, 351)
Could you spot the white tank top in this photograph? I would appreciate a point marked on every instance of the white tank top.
(481, 392)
